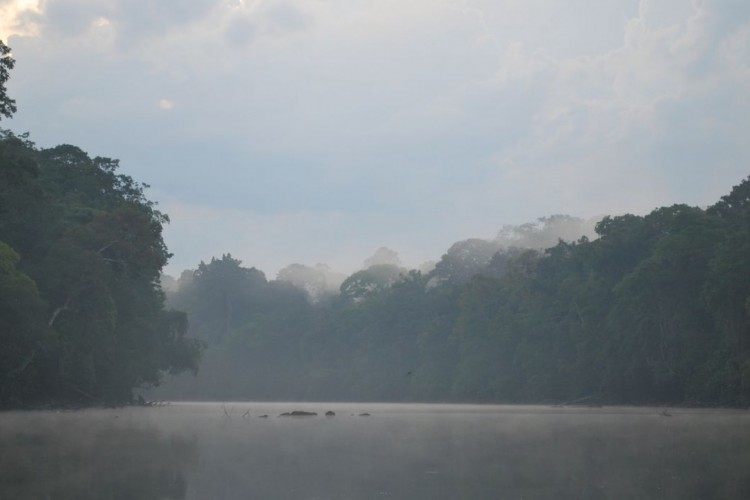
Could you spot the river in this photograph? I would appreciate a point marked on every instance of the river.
(397, 451)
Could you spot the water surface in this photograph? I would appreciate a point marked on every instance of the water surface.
(229, 451)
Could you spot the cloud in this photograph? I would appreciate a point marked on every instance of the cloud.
(644, 121)
(73, 17)
(199, 232)
(133, 23)
(18, 18)
(241, 31)
(166, 104)
(285, 16)
(417, 123)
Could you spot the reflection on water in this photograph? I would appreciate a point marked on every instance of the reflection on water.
(214, 451)
(90, 455)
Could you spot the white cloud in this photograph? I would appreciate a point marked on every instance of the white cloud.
(166, 104)
(444, 119)
(17, 17)
(272, 241)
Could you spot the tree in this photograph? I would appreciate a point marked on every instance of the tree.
(220, 297)
(86, 257)
(370, 282)
(24, 334)
(734, 205)
(464, 260)
(7, 105)
(255, 331)
(659, 331)
(318, 282)
(383, 256)
(656, 310)
(545, 232)
(726, 293)
(82, 316)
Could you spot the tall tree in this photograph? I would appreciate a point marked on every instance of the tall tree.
(85, 249)
(7, 105)
(24, 336)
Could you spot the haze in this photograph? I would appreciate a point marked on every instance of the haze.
(195, 451)
(317, 131)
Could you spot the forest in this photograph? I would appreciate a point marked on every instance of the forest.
(82, 317)
(650, 309)
(653, 309)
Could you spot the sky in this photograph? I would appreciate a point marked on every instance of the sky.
(316, 131)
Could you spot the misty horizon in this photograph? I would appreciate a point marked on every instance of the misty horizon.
(455, 249)
(317, 132)
(537, 237)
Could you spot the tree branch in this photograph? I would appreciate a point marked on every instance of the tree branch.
(58, 310)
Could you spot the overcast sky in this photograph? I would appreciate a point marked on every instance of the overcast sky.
(318, 130)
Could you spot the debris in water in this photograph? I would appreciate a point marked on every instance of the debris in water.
(299, 413)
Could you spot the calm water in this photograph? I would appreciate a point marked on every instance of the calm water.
(214, 451)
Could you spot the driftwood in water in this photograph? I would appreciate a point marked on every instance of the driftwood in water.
(299, 413)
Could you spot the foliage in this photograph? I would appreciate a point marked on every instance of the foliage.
(370, 282)
(7, 105)
(656, 310)
(319, 282)
(80, 304)
(464, 260)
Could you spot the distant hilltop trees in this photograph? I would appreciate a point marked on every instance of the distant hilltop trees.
(650, 309)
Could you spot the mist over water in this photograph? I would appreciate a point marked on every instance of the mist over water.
(209, 450)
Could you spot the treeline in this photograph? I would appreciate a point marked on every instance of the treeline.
(655, 309)
(81, 311)
(82, 318)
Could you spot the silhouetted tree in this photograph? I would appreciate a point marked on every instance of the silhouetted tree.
(7, 105)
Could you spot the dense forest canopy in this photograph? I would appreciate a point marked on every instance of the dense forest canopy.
(81, 251)
(642, 310)
(650, 309)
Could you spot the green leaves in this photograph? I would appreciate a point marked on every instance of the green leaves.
(7, 105)
(734, 205)
(93, 244)
(23, 331)
(370, 282)
(656, 310)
